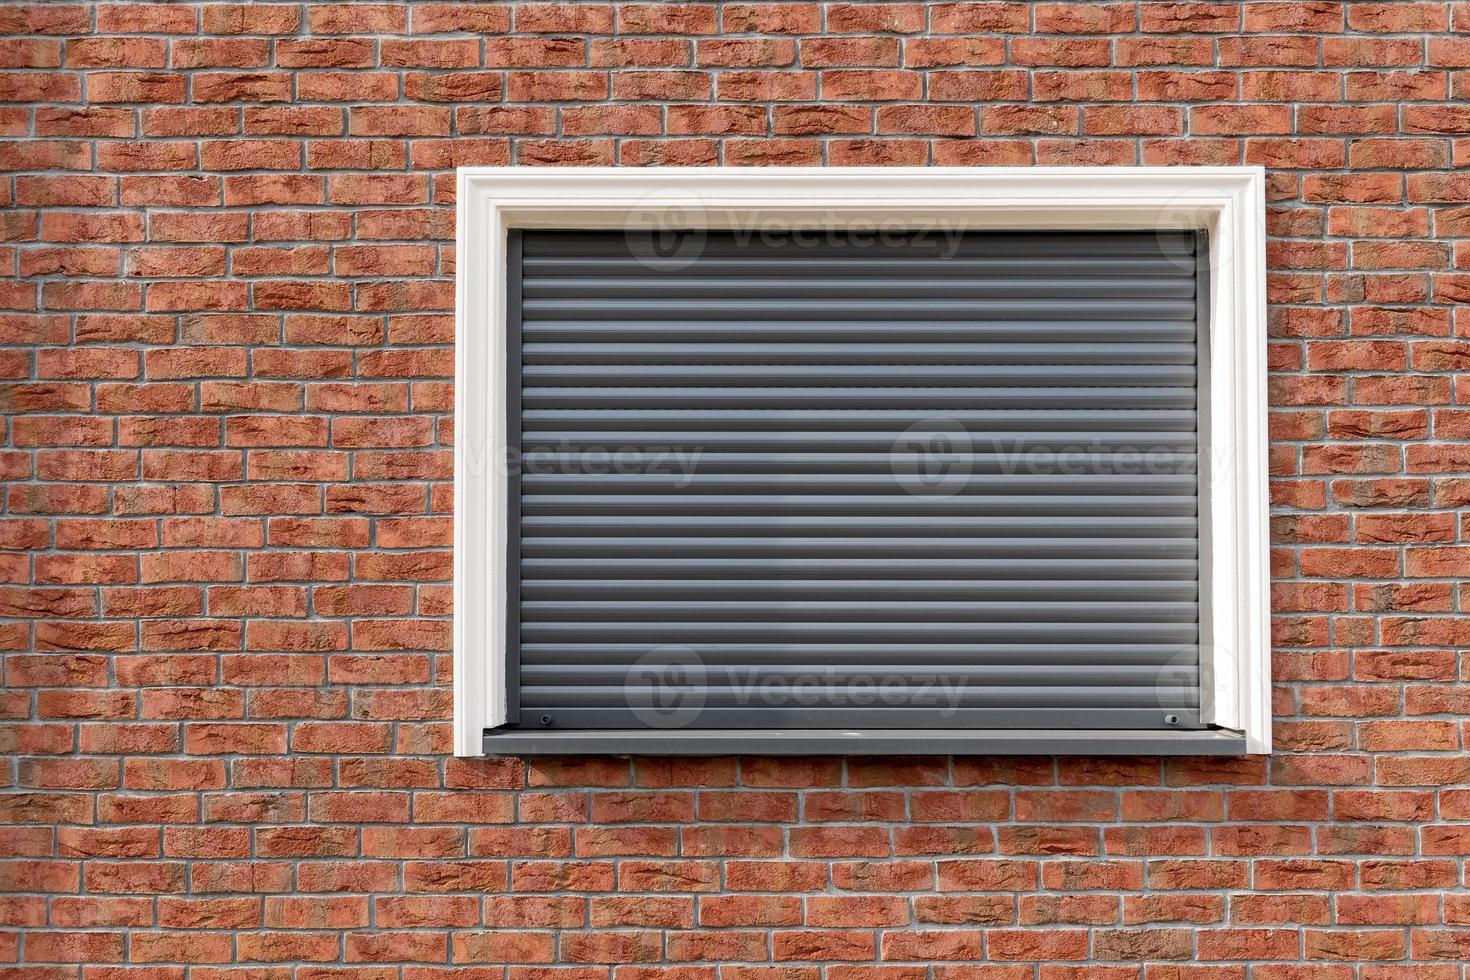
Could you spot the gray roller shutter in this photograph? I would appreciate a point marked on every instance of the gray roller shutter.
(914, 482)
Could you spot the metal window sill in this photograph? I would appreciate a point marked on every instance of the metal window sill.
(793, 741)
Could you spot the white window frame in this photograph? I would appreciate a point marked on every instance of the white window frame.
(1228, 202)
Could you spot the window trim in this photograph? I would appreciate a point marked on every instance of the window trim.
(1227, 202)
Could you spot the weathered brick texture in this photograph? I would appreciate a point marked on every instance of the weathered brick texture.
(227, 337)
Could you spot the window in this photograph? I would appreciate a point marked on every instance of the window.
(828, 460)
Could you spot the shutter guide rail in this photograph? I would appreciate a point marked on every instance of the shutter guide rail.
(514, 502)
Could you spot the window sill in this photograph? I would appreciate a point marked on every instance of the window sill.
(789, 741)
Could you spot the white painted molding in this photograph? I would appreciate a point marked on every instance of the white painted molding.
(480, 488)
(1228, 202)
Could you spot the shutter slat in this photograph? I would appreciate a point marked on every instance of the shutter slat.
(1061, 695)
(761, 421)
(875, 568)
(899, 461)
(904, 329)
(670, 631)
(941, 243)
(853, 590)
(663, 290)
(856, 266)
(962, 464)
(854, 353)
(908, 375)
(1079, 505)
(1003, 675)
(1009, 527)
(743, 306)
(866, 654)
(834, 443)
(556, 611)
(715, 547)
(933, 399)
(853, 483)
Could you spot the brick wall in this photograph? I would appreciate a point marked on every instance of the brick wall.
(227, 348)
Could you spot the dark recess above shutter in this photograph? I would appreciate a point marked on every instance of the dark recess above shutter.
(968, 476)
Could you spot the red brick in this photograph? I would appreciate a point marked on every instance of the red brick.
(1062, 52)
(976, 18)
